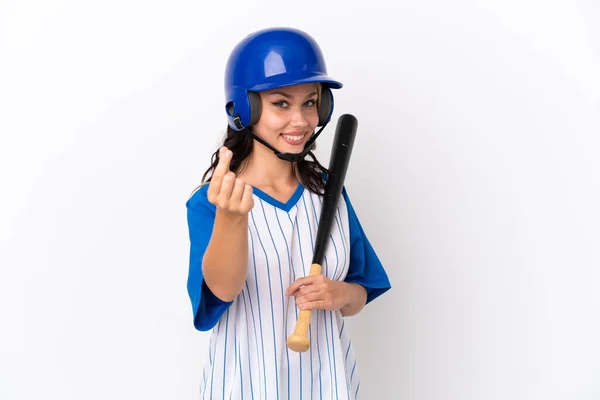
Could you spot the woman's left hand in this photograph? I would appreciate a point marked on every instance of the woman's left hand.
(319, 292)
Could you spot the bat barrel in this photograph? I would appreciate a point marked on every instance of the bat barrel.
(343, 143)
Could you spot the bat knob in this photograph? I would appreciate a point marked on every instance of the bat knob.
(298, 343)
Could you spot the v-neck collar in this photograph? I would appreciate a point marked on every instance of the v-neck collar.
(287, 206)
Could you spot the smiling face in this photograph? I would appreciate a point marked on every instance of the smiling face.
(289, 116)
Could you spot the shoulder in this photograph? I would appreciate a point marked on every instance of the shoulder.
(200, 215)
(199, 199)
(348, 203)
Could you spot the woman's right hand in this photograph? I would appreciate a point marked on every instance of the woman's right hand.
(228, 193)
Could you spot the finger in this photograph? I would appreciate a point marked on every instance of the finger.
(214, 188)
(311, 296)
(237, 192)
(313, 305)
(296, 285)
(247, 202)
(222, 167)
(304, 290)
(217, 178)
(227, 187)
(304, 281)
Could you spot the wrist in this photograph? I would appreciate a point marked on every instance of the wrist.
(349, 291)
(231, 219)
(355, 298)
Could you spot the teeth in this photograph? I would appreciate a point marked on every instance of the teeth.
(294, 138)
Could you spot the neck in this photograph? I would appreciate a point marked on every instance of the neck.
(264, 168)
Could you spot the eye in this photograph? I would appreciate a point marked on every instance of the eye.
(280, 104)
(311, 103)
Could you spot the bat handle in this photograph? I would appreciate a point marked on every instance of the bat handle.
(298, 341)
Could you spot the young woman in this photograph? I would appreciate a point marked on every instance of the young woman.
(252, 226)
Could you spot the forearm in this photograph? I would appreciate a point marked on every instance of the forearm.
(357, 297)
(225, 263)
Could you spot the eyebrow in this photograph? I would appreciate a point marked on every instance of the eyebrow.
(287, 96)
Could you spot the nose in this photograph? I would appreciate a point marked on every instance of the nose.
(299, 118)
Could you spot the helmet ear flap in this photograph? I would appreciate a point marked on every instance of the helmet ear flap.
(255, 108)
(325, 106)
(243, 110)
(233, 116)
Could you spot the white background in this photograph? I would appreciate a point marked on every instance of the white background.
(475, 174)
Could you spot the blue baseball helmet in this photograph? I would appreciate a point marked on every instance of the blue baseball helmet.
(268, 59)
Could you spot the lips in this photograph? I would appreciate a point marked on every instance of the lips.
(294, 138)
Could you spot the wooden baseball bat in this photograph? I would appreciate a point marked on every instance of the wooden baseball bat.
(343, 143)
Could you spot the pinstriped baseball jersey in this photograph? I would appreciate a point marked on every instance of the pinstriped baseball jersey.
(248, 356)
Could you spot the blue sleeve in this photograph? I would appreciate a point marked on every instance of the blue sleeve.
(365, 267)
(207, 308)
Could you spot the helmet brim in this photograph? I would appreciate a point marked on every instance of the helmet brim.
(333, 84)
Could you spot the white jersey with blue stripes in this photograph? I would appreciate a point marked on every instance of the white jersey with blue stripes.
(248, 356)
